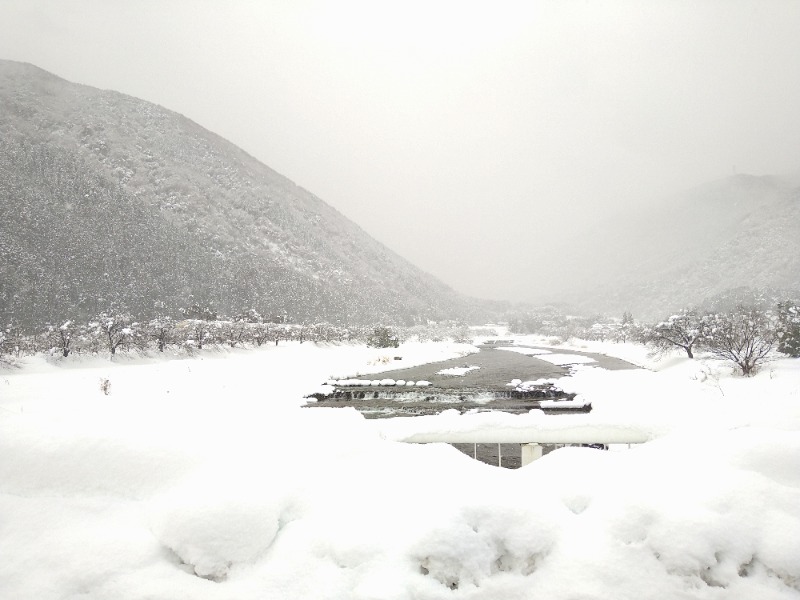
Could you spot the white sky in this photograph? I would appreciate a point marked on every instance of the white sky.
(435, 125)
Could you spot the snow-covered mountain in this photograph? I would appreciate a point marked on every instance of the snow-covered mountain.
(736, 239)
(106, 199)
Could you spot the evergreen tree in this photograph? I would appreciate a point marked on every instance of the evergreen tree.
(382, 337)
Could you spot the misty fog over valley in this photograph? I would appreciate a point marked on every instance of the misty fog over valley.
(364, 300)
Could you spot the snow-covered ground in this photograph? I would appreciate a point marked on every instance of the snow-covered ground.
(202, 478)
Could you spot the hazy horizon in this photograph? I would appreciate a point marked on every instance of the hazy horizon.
(472, 140)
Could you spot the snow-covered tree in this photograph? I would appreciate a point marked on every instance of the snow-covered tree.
(200, 312)
(113, 330)
(626, 329)
(683, 330)
(13, 343)
(462, 334)
(277, 332)
(162, 331)
(745, 336)
(382, 337)
(235, 332)
(789, 329)
(61, 337)
(260, 332)
(600, 331)
(251, 315)
(199, 332)
(13, 340)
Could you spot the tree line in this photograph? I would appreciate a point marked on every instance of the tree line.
(199, 327)
(746, 335)
(113, 332)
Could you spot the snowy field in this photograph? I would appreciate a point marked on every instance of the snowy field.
(202, 478)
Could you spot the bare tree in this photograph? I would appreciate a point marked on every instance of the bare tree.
(235, 332)
(744, 336)
(684, 330)
(260, 333)
(199, 332)
(61, 337)
(113, 330)
(13, 341)
(277, 332)
(162, 330)
(599, 331)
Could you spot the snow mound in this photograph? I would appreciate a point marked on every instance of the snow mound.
(525, 386)
(352, 382)
(457, 371)
(212, 524)
(485, 541)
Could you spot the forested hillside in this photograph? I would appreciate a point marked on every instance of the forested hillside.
(110, 201)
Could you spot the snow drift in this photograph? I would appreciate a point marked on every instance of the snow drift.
(203, 478)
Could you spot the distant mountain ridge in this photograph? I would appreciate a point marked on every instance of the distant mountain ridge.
(110, 200)
(738, 237)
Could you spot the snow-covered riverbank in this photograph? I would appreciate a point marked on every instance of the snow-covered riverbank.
(203, 478)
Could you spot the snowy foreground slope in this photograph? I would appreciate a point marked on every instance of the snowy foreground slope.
(202, 478)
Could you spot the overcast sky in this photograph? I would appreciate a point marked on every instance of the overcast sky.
(470, 137)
